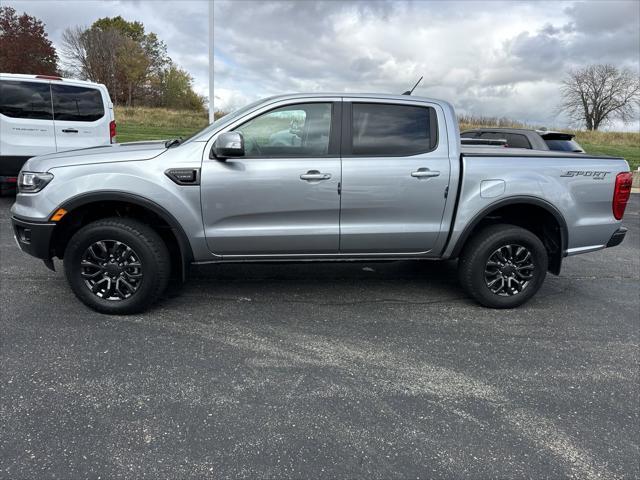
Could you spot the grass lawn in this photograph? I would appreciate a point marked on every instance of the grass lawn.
(630, 153)
(139, 123)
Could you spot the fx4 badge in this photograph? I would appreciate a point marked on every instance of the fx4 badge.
(585, 173)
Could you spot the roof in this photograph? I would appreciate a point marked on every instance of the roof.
(46, 78)
(381, 96)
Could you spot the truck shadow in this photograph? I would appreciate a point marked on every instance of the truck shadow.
(331, 283)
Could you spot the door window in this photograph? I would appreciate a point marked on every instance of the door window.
(292, 131)
(392, 130)
(25, 100)
(77, 104)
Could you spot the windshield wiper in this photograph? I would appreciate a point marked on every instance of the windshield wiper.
(173, 142)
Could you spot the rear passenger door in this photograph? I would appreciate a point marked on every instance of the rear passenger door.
(26, 123)
(395, 174)
(80, 117)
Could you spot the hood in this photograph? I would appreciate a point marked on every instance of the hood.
(118, 152)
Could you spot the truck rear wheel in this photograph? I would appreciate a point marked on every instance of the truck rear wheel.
(117, 265)
(503, 266)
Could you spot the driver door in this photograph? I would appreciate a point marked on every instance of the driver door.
(281, 197)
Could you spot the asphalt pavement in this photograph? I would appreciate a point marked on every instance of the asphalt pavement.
(358, 370)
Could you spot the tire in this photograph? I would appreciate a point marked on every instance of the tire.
(140, 278)
(484, 259)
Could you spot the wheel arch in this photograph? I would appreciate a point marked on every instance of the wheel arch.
(504, 209)
(84, 202)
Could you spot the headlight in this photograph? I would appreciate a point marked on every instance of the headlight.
(32, 182)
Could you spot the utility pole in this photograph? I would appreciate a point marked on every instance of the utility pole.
(211, 96)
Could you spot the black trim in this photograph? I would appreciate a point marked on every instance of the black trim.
(33, 238)
(184, 176)
(617, 237)
(575, 156)
(186, 252)
(10, 165)
(538, 202)
(347, 120)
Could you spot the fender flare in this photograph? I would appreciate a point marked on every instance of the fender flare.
(186, 252)
(523, 199)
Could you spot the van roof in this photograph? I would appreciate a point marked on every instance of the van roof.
(47, 78)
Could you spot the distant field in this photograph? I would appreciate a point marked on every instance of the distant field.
(138, 123)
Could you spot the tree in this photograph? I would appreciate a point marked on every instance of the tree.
(93, 55)
(24, 46)
(177, 90)
(119, 54)
(597, 94)
(133, 64)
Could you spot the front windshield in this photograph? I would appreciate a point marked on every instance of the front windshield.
(205, 133)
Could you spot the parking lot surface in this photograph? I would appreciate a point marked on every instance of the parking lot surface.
(358, 370)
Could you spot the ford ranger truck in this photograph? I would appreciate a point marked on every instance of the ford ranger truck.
(316, 177)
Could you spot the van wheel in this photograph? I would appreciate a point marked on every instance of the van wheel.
(117, 265)
(503, 266)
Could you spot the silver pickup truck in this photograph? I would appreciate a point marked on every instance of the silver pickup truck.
(316, 177)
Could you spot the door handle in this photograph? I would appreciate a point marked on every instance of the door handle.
(425, 173)
(312, 175)
(69, 130)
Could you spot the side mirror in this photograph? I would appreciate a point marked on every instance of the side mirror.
(228, 144)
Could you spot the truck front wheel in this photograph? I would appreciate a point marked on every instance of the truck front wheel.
(503, 266)
(117, 265)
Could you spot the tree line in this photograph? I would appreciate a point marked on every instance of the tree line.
(133, 64)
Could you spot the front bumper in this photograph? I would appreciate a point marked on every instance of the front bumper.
(617, 237)
(33, 238)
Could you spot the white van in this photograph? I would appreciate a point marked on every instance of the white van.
(45, 114)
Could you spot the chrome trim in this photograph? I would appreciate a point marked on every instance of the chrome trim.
(579, 250)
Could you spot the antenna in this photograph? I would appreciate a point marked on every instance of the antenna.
(409, 92)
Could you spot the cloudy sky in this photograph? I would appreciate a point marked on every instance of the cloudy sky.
(494, 58)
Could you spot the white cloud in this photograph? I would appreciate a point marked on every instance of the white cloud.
(489, 58)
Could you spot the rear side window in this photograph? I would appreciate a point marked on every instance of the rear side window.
(514, 140)
(564, 145)
(392, 130)
(77, 104)
(25, 100)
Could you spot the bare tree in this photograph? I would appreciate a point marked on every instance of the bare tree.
(91, 54)
(597, 94)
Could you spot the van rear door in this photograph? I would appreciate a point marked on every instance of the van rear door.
(26, 123)
(81, 116)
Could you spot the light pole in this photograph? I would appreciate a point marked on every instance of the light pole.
(211, 96)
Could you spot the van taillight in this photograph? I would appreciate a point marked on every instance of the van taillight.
(621, 194)
(112, 131)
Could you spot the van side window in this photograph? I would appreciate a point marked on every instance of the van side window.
(25, 100)
(393, 130)
(77, 104)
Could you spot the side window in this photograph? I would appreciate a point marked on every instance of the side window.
(515, 140)
(25, 100)
(292, 131)
(78, 104)
(393, 130)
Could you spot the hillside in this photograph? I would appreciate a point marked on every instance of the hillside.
(140, 123)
